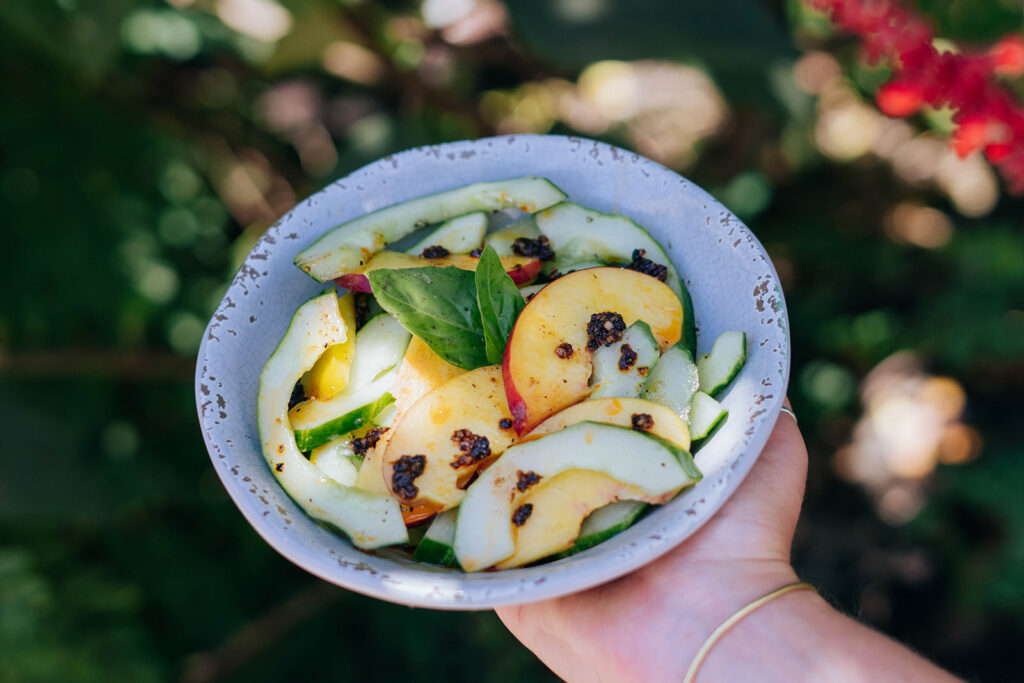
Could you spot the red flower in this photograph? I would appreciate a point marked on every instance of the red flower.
(1008, 56)
(987, 116)
(899, 99)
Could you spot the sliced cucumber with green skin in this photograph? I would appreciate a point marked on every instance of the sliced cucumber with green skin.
(347, 247)
(436, 546)
(335, 459)
(502, 240)
(386, 417)
(380, 346)
(577, 233)
(483, 531)
(317, 422)
(673, 381)
(705, 414)
(530, 290)
(718, 368)
(370, 520)
(459, 235)
(621, 370)
(605, 522)
(566, 266)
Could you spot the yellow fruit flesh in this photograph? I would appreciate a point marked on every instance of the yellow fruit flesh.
(329, 375)
(559, 507)
(421, 372)
(474, 401)
(619, 411)
(544, 381)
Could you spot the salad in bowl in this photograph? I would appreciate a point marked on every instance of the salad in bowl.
(503, 374)
(524, 412)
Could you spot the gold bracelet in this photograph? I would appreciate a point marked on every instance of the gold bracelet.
(736, 617)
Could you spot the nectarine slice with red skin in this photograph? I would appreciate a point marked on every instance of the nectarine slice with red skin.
(520, 268)
(547, 364)
(446, 427)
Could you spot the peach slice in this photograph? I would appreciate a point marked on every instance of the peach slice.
(547, 363)
(636, 413)
(420, 372)
(520, 268)
(438, 444)
(559, 507)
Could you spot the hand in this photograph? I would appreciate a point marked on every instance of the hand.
(648, 625)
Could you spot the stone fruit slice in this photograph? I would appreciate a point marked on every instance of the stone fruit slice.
(494, 508)
(439, 443)
(635, 413)
(547, 364)
(520, 268)
(420, 372)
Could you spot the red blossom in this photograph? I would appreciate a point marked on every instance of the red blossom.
(988, 118)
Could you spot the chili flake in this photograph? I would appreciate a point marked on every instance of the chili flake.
(435, 251)
(406, 470)
(627, 358)
(522, 514)
(526, 479)
(642, 422)
(604, 329)
(473, 446)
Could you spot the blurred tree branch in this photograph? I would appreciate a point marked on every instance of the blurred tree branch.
(141, 365)
(258, 635)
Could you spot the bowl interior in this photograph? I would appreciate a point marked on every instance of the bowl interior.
(731, 280)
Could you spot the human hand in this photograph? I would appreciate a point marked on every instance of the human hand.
(649, 625)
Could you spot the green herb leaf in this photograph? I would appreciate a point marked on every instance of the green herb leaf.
(500, 303)
(439, 306)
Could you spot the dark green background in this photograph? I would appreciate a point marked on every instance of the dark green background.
(121, 557)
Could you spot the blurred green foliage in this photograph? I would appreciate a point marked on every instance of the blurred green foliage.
(145, 145)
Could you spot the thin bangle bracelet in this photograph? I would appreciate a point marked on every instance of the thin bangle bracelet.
(736, 617)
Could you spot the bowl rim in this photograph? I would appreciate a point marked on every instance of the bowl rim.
(383, 575)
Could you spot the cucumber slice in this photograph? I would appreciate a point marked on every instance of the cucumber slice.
(673, 381)
(605, 522)
(334, 458)
(705, 414)
(380, 346)
(386, 417)
(622, 369)
(317, 422)
(436, 546)
(369, 520)
(530, 290)
(566, 266)
(503, 239)
(483, 531)
(346, 247)
(718, 368)
(459, 235)
(577, 233)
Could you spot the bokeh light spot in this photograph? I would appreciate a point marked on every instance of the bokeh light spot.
(120, 440)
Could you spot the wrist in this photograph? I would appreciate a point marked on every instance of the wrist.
(706, 594)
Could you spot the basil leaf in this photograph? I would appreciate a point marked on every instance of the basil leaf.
(500, 303)
(438, 305)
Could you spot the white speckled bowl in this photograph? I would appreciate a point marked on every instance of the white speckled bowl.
(731, 279)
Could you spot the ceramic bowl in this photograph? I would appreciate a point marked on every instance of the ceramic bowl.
(728, 273)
